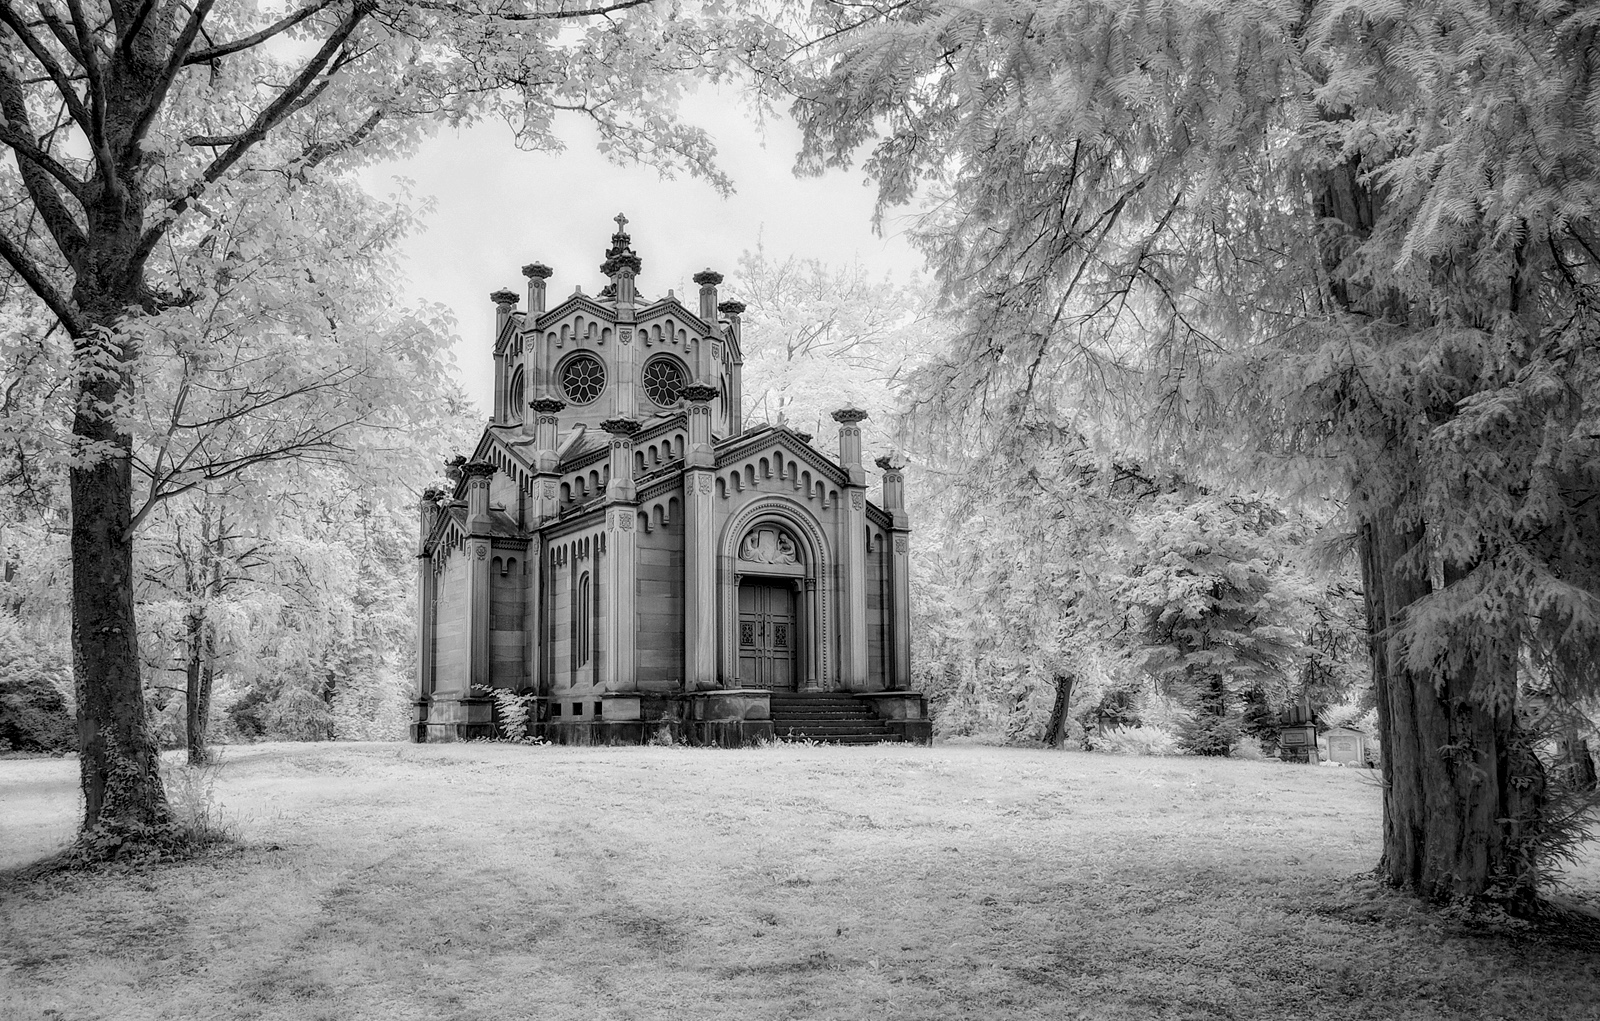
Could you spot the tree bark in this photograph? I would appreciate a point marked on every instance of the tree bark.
(1055, 735)
(118, 759)
(1463, 792)
(199, 670)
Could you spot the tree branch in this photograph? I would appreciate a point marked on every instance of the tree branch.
(621, 5)
(265, 121)
(255, 38)
(52, 210)
(19, 261)
(47, 60)
(180, 49)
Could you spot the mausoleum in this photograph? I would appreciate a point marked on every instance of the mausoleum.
(621, 548)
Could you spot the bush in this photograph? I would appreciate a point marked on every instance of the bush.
(1212, 730)
(1144, 740)
(34, 716)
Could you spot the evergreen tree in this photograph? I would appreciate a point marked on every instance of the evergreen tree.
(1349, 248)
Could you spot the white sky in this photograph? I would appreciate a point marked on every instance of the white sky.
(499, 208)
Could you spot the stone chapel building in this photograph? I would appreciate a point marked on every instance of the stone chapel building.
(621, 548)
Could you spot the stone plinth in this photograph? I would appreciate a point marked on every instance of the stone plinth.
(905, 713)
(729, 717)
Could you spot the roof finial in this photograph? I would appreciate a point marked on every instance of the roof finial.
(622, 223)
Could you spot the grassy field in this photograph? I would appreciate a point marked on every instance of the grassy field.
(492, 881)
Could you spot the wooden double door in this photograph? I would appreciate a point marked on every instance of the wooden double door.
(769, 634)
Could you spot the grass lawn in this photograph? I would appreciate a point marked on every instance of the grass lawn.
(494, 881)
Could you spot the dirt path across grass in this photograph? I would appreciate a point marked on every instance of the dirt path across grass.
(491, 881)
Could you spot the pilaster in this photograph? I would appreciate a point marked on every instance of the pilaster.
(852, 555)
(478, 474)
(427, 594)
(699, 544)
(899, 609)
(619, 662)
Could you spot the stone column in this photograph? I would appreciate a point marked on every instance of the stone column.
(733, 309)
(899, 608)
(619, 663)
(852, 554)
(478, 474)
(699, 544)
(505, 302)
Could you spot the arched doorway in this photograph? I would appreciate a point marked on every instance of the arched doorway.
(771, 611)
(769, 633)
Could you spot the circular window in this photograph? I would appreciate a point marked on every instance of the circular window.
(663, 380)
(583, 379)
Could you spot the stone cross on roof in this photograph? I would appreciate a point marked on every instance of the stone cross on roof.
(622, 223)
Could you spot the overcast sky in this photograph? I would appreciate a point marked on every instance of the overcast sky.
(499, 208)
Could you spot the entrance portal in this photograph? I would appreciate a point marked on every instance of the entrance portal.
(767, 639)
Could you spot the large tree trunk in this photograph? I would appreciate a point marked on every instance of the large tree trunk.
(118, 758)
(1463, 791)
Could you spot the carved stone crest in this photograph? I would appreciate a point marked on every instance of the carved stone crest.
(768, 546)
(705, 484)
(857, 500)
(625, 520)
(900, 544)
(483, 552)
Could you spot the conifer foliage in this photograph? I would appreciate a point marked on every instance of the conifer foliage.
(1350, 246)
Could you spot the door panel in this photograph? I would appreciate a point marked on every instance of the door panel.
(768, 638)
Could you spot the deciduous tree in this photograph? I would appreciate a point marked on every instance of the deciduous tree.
(134, 126)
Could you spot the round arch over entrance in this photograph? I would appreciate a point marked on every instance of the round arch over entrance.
(775, 544)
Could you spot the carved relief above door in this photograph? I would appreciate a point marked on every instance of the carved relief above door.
(768, 546)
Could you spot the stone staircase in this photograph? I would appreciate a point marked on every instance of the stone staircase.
(829, 717)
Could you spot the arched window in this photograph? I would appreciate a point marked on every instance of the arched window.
(583, 378)
(663, 380)
(517, 398)
(581, 626)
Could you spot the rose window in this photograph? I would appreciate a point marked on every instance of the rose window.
(663, 381)
(583, 379)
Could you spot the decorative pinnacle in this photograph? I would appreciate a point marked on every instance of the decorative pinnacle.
(547, 405)
(621, 426)
(732, 308)
(803, 437)
(700, 393)
(536, 270)
(849, 416)
(620, 255)
(886, 462)
(478, 469)
(504, 297)
(707, 278)
(433, 494)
